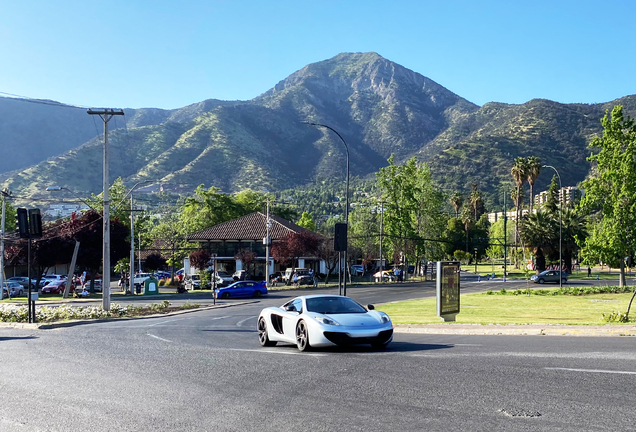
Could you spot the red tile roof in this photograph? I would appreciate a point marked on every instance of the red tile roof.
(249, 227)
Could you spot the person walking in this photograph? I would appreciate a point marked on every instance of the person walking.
(589, 271)
(295, 280)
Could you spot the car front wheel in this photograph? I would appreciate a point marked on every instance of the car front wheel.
(564, 281)
(263, 337)
(302, 336)
(225, 295)
(541, 281)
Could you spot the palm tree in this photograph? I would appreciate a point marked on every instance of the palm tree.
(467, 219)
(540, 232)
(519, 173)
(534, 169)
(457, 200)
(574, 231)
(475, 199)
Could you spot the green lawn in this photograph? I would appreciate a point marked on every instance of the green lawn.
(515, 309)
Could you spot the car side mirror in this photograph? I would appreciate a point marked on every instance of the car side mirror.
(290, 308)
(370, 307)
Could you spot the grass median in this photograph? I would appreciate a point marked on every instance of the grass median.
(515, 309)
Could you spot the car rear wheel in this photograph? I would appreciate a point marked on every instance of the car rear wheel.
(302, 336)
(263, 337)
(541, 281)
(564, 281)
(257, 293)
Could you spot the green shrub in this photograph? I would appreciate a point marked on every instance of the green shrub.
(489, 292)
(503, 291)
(616, 316)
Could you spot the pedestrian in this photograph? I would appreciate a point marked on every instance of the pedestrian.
(295, 279)
(589, 271)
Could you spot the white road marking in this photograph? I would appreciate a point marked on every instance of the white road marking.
(240, 323)
(592, 371)
(274, 351)
(157, 337)
(167, 321)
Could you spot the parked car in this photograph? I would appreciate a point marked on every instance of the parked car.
(549, 276)
(12, 288)
(162, 275)
(240, 275)
(384, 276)
(193, 282)
(22, 280)
(324, 320)
(46, 279)
(54, 287)
(242, 289)
(357, 270)
(223, 279)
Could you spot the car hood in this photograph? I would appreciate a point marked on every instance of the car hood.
(355, 319)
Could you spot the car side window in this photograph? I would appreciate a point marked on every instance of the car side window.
(298, 305)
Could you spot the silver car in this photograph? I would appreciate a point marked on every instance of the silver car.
(549, 276)
(324, 320)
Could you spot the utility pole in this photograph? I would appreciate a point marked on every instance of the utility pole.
(5, 194)
(381, 234)
(267, 241)
(106, 114)
(505, 237)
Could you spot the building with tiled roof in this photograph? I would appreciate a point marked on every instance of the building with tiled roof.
(225, 240)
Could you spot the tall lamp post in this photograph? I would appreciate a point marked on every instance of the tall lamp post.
(132, 232)
(560, 225)
(346, 196)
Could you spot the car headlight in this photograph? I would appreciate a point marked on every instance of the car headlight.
(325, 320)
(385, 319)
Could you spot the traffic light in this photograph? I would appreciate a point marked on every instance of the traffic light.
(340, 237)
(22, 222)
(35, 223)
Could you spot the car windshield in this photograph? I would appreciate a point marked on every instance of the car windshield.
(333, 305)
(223, 274)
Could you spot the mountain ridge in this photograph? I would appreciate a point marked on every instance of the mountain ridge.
(380, 107)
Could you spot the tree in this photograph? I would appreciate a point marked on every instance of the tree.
(475, 200)
(87, 229)
(413, 213)
(612, 192)
(534, 169)
(295, 246)
(457, 200)
(248, 258)
(200, 258)
(519, 173)
(552, 200)
(154, 262)
(540, 233)
(306, 221)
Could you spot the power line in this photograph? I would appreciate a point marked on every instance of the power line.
(21, 98)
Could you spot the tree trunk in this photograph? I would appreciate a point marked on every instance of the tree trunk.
(622, 282)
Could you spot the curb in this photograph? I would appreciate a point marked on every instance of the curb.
(62, 324)
(518, 330)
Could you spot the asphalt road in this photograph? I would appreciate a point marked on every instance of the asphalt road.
(205, 371)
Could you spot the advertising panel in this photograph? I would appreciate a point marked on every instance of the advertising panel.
(447, 288)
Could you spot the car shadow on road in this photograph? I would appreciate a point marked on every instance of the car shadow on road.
(16, 338)
(393, 347)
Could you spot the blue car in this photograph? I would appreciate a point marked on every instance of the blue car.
(242, 289)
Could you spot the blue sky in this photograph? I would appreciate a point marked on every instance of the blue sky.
(133, 54)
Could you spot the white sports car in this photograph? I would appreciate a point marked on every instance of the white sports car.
(324, 320)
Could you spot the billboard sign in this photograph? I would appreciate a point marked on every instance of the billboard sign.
(448, 289)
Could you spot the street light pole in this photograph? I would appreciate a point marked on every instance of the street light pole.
(346, 198)
(560, 225)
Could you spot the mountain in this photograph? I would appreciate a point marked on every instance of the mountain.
(379, 107)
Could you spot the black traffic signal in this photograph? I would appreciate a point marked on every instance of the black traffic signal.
(22, 222)
(340, 237)
(35, 223)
